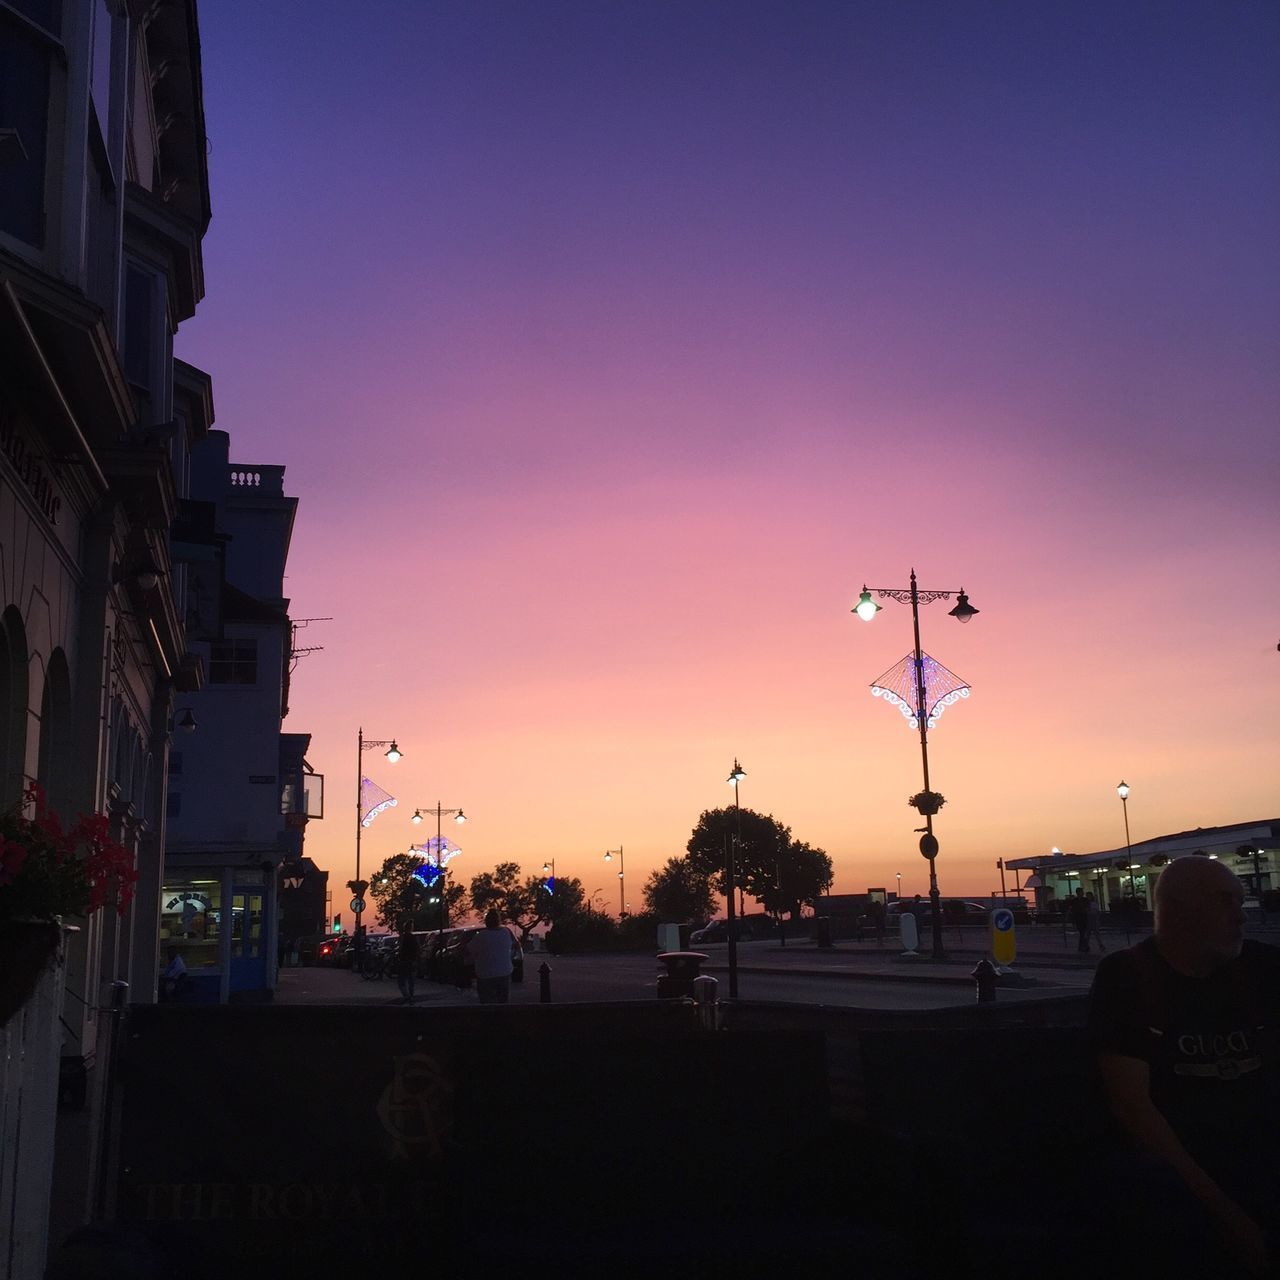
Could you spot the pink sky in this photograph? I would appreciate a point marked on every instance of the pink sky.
(610, 352)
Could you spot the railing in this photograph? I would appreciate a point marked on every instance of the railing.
(268, 481)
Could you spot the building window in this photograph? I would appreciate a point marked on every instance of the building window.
(233, 662)
(191, 921)
(28, 31)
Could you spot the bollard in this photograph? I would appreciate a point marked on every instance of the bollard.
(544, 983)
(706, 1001)
(984, 980)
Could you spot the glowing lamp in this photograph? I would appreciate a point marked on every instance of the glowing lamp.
(393, 752)
(866, 608)
(1123, 790)
(461, 818)
(417, 817)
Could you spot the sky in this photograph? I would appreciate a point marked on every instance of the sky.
(611, 347)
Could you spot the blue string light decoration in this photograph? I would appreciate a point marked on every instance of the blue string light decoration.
(941, 688)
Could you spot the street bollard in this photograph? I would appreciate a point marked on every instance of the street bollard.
(984, 979)
(544, 983)
(706, 1001)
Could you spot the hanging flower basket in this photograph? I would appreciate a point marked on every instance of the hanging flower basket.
(27, 949)
(48, 872)
(927, 802)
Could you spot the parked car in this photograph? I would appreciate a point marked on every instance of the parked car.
(954, 911)
(431, 942)
(330, 949)
(718, 931)
(452, 963)
(307, 947)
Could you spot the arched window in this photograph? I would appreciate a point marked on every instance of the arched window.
(54, 773)
(14, 689)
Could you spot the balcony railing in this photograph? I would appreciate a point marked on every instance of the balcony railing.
(267, 481)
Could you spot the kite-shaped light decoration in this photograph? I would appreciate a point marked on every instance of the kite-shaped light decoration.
(941, 688)
(373, 800)
(438, 851)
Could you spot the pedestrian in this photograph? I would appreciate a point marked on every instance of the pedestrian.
(173, 977)
(1079, 915)
(1184, 1025)
(877, 920)
(406, 962)
(490, 953)
(1094, 929)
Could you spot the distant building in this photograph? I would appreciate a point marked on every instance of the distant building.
(241, 792)
(1118, 877)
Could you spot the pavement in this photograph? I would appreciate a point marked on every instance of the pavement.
(1044, 965)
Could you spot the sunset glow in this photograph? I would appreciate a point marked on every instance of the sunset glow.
(611, 349)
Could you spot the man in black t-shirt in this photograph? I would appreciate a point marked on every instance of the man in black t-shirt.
(1185, 1029)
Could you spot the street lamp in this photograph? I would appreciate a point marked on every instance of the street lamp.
(736, 774)
(622, 878)
(899, 875)
(363, 818)
(441, 813)
(1123, 792)
(922, 688)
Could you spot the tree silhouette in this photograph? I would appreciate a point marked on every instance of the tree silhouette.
(524, 903)
(400, 895)
(679, 892)
(780, 872)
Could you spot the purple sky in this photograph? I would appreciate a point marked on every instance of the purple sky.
(611, 346)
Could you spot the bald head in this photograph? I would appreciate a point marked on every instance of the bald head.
(1200, 911)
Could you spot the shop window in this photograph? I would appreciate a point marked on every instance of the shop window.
(191, 921)
(233, 662)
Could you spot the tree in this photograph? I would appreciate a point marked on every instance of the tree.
(801, 876)
(679, 892)
(395, 889)
(528, 903)
(755, 852)
(400, 895)
(778, 871)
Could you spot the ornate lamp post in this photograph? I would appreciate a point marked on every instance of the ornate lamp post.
(441, 812)
(622, 879)
(1123, 792)
(921, 688)
(379, 800)
(736, 774)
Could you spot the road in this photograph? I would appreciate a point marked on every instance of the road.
(576, 979)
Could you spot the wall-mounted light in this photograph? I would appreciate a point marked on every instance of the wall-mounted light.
(187, 721)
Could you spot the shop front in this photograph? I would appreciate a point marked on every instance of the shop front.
(217, 934)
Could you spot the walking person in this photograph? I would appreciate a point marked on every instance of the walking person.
(1094, 928)
(490, 952)
(1079, 916)
(406, 962)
